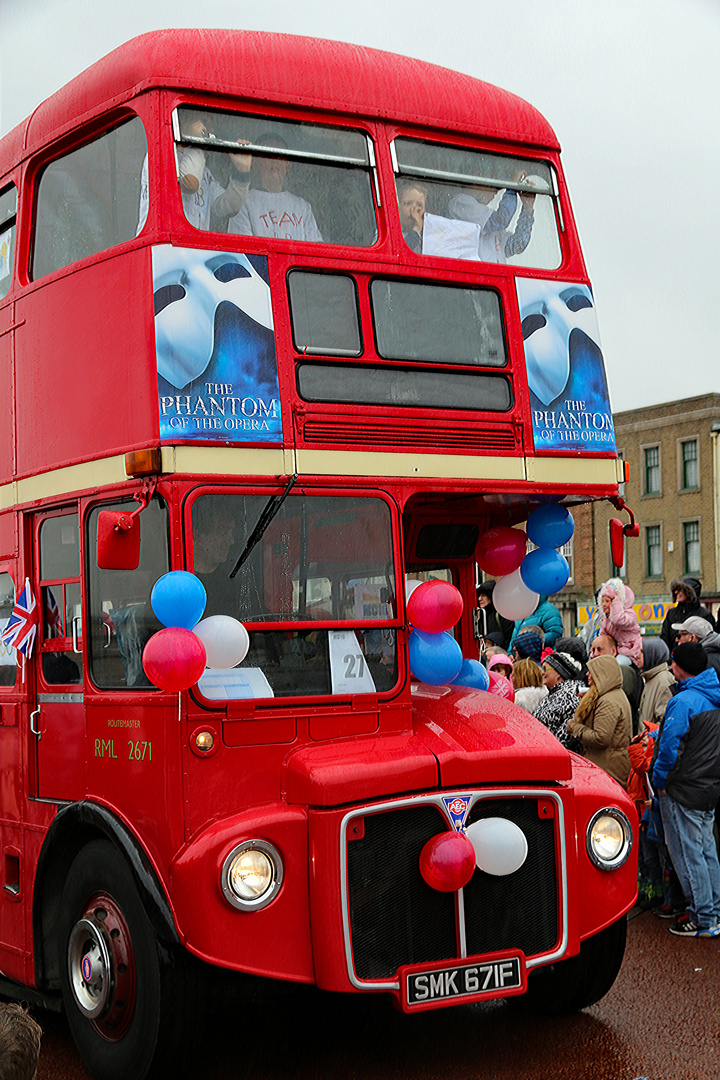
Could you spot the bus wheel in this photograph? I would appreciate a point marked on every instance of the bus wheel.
(126, 995)
(582, 980)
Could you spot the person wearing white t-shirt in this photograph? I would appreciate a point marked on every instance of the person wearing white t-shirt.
(496, 243)
(199, 189)
(271, 211)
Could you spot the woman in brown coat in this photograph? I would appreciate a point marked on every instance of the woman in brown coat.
(603, 719)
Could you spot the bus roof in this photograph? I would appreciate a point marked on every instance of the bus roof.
(285, 68)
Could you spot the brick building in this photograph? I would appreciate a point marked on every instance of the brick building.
(673, 451)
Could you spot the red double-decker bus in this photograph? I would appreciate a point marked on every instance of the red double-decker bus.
(320, 315)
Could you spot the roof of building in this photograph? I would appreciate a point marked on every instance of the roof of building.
(283, 68)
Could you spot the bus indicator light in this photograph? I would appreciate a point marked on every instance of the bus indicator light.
(143, 462)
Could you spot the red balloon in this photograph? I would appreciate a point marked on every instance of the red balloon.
(500, 550)
(447, 861)
(174, 658)
(501, 686)
(434, 606)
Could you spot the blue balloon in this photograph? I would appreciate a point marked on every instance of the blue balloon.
(178, 599)
(544, 570)
(472, 673)
(550, 526)
(434, 658)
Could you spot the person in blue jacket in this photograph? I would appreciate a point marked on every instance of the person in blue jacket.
(686, 776)
(547, 617)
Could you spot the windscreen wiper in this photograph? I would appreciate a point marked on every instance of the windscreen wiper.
(271, 508)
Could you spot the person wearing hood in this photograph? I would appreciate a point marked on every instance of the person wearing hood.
(686, 776)
(659, 682)
(491, 623)
(696, 629)
(619, 621)
(686, 593)
(602, 723)
(547, 617)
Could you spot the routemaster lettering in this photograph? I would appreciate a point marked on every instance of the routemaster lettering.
(105, 748)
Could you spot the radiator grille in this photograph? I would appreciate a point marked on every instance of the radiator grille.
(518, 911)
(396, 918)
(396, 435)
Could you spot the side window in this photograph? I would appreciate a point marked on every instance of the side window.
(90, 199)
(8, 211)
(121, 619)
(60, 600)
(8, 656)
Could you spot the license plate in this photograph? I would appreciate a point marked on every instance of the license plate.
(432, 986)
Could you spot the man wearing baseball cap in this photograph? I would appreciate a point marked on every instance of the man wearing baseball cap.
(698, 629)
(686, 777)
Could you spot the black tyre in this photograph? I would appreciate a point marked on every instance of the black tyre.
(582, 980)
(128, 999)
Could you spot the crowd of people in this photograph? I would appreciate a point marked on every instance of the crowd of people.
(644, 709)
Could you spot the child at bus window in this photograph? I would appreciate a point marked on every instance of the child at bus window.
(204, 199)
(495, 243)
(201, 193)
(269, 210)
(411, 204)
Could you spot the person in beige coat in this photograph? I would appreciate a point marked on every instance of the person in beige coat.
(658, 680)
(603, 720)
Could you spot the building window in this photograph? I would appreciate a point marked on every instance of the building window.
(568, 551)
(690, 472)
(652, 470)
(691, 546)
(654, 551)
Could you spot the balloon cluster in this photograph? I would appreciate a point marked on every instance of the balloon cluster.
(435, 656)
(523, 578)
(175, 658)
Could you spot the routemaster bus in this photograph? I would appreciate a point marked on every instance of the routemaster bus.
(309, 319)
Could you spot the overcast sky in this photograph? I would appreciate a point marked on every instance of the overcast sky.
(631, 87)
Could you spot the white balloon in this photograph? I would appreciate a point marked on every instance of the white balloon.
(512, 598)
(225, 639)
(411, 585)
(500, 845)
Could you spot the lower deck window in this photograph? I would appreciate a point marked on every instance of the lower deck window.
(289, 563)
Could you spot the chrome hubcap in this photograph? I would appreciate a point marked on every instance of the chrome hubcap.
(90, 966)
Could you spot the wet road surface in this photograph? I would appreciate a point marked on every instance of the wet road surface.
(661, 1020)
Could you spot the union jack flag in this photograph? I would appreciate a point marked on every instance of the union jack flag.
(52, 614)
(22, 624)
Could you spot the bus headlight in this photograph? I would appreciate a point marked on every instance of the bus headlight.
(609, 838)
(251, 875)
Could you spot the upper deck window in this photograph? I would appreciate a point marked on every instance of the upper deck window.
(89, 200)
(8, 211)
(291, 181)
(458, 203)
